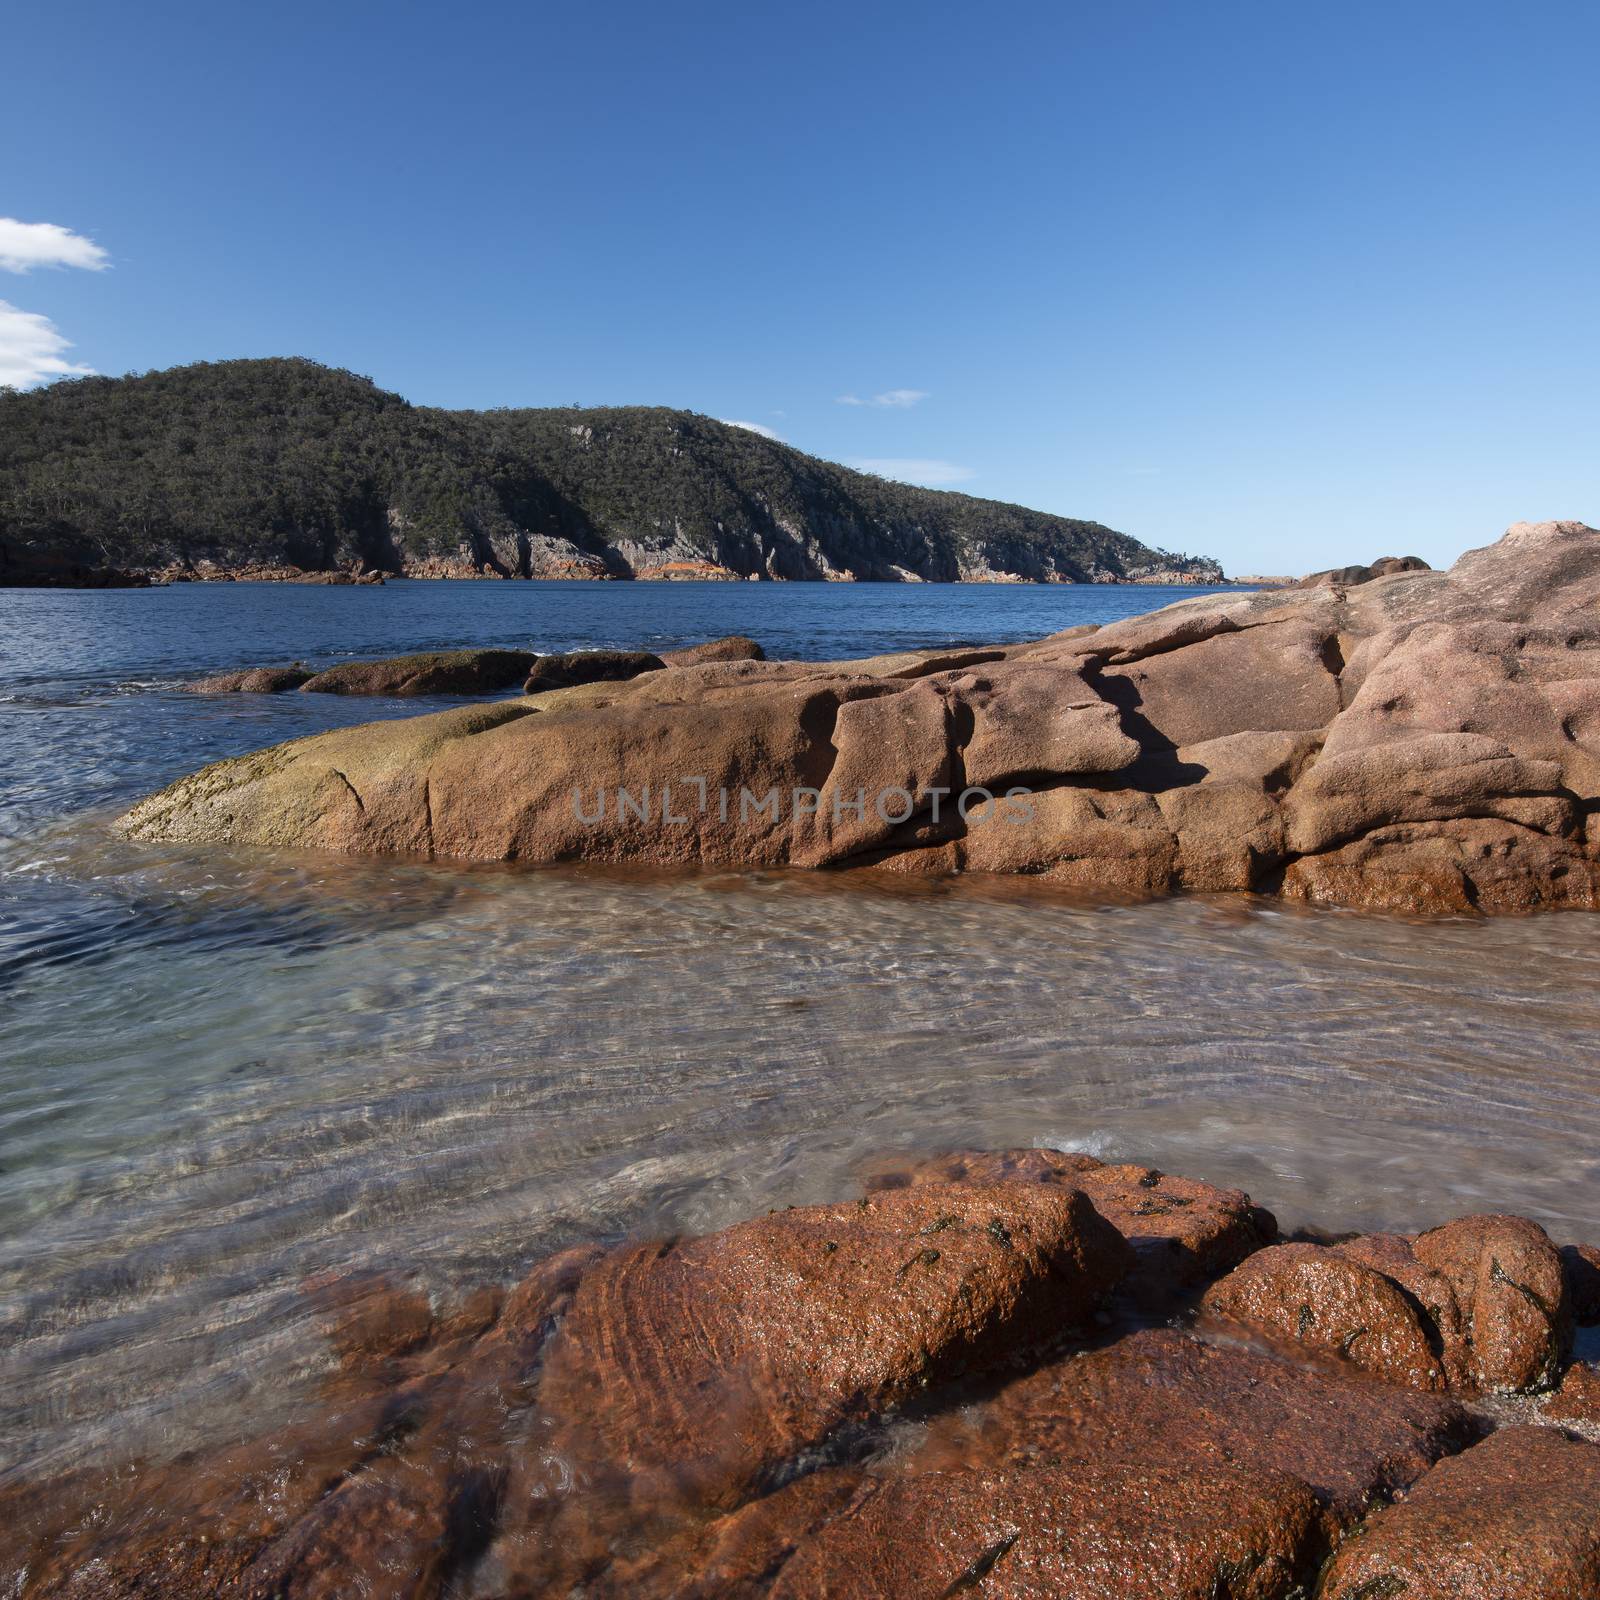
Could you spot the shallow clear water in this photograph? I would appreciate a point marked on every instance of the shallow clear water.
(221, 1072)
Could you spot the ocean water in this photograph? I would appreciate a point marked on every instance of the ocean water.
(224, 1071)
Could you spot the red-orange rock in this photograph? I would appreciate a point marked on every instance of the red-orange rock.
(1576, 1404)
(738, 1556)
(1512, 1293)
(706, 1364)
(1392, 1255)
(371, 1320)
(391, 1487)
(1164, 1396)
(978, 1166)
(716, 1417)
(1514, 1518)
(189, 1529)
(1082, 1531)
(1183, 1232)
(392, 1531)
(1310, 1296)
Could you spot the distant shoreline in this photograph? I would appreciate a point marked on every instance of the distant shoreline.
(116, 579)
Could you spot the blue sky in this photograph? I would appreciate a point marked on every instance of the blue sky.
(1288, 285)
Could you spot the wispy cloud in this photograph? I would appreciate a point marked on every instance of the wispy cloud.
(30, 349)
(26, 245)
(31, 345)
(754, 427)
(894, 399)
(916, 469)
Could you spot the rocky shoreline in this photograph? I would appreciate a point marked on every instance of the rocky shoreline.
(1016, 1373)
(566, 563)
(236, 468)
(1418, 741)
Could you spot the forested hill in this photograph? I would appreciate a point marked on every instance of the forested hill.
(241, 466)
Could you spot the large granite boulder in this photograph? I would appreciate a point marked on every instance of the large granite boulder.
(1422, 740)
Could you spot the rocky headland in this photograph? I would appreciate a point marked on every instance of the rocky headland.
(1416, 740)
(1011, 1374)
(290, 471)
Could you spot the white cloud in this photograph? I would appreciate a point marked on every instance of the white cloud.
(754, 427)
(916, 469)
(894, 399)
(30, 344)
(26, 245)
(30, 349)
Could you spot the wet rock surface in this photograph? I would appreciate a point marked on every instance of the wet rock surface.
(1081, 1531)
(1576, 1404)
(1328, 1302)
(1479, 1305)
(944, 1386)
(1182, 1232)
(1514, 1518)
(1419, 741)
(253, 680)
(1167, 1396)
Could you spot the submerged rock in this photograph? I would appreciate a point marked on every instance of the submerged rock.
(253, 680)
(1422, 741)
(1181, 1232)
(710, 1364)
(927, 1390)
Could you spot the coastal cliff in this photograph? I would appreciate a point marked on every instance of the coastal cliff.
(1423, 741)
(279, 468)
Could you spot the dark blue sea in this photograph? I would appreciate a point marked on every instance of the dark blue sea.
(222, 1071)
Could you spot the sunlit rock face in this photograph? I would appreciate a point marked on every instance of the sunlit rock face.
(1424, 741)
